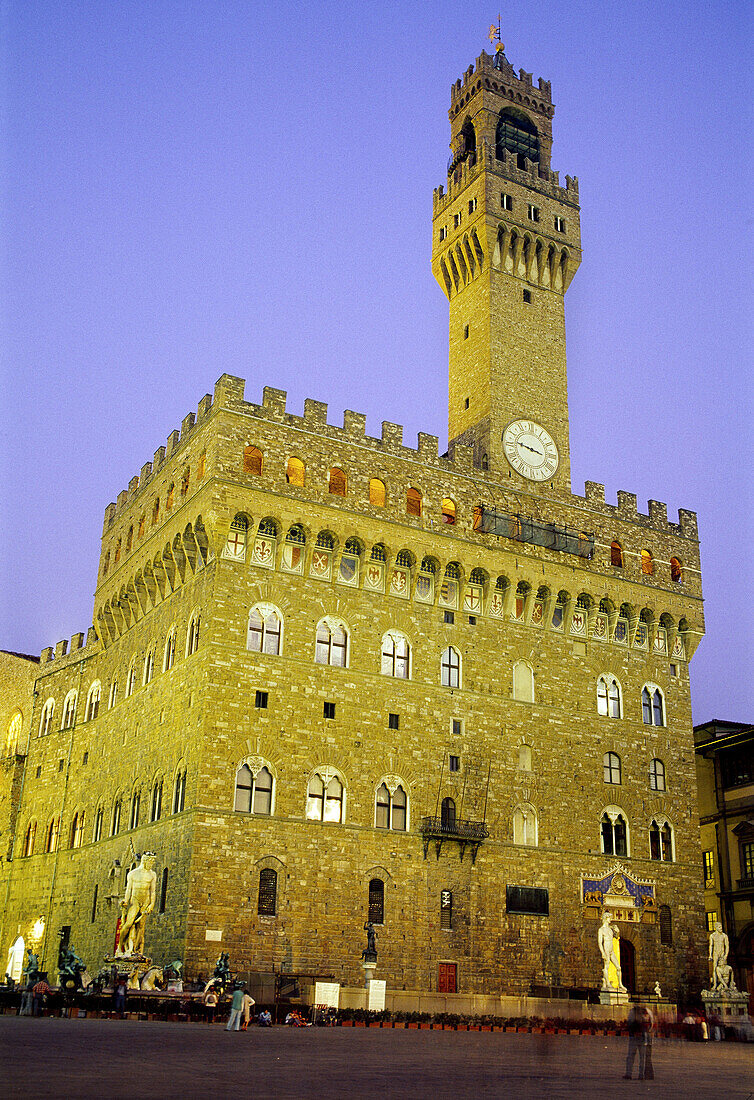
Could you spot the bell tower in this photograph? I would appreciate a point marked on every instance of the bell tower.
(506, 244)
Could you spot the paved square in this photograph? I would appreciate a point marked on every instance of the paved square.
(114, 1058)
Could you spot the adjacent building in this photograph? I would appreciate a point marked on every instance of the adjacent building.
(335, 678)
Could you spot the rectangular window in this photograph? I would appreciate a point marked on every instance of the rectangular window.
(456, 220)
(466, 336)
(527, 899)
(747, 860)
(443, 232)
(268, 885)
(164, 890)
(39, 770)
(94, 904)
(456, 726)
(472, 620)
(446, 910)
(86, 758)
(61, 765)
(533, 213)
(527, 296)
(454, 763)
(506, 201)
(448, 617)
(260, 700)
(472, 206)
(376, 906)
(711, 921)
(329, 710)
(393, 721)
(560, 225)
(709, 869)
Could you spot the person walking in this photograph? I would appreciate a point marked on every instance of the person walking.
(640, 1024)
(236, 1008)
(210, 1004)
(248, 1001)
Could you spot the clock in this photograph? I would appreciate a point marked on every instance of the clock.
(530, 450)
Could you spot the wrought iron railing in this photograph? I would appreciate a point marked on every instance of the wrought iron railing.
(453, 828)
(552, 536)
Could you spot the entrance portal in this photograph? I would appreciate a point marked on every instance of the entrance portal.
(628, 964)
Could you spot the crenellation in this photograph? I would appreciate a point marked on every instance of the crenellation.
(525, 78)
(122, 498)
(133, 486)
(229, 391)
(159, 458)
(186, 425)
(61, 648)
(91, 636)
(392, 436)
(627, 507)
(173, 440)
(46, 655)
(594, 492)
(658, 513)
(77, 641)
(355, 425)
(204, 407)
(315, 414)
(429, 448)
(146, 472)
(688, 524)
(273, 402)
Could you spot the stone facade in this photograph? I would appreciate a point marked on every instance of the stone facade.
(517, 613)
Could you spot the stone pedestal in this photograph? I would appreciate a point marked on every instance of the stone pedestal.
(369, 969)
(613, 997)
(731, 1006)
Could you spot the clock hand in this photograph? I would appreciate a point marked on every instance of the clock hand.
(533, 450)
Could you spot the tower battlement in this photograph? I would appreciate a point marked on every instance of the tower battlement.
(535, 177)
(503, 74)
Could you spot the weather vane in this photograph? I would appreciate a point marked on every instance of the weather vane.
(496, 36)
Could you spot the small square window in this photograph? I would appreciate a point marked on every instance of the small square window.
(448, 617)
(533, 213)
(86, 758)
(506, 201)
(329, 710)
(454, 763)
(527, 296)
(456, 726)
(674, 670)
(39, 770)
(61, 765)
(466, 336)
(260, 700)
(393, 721)
(472, 620)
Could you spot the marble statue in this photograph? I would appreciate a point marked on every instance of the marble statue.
(718, 952)
(608, 939)
(138, 902)
(658, 991)
(153, 976)
(723, 979)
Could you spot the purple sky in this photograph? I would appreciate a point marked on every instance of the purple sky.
(193, 187)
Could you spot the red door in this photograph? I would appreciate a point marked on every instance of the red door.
(446, 982)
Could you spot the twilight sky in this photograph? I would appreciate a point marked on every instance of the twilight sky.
(192, 187)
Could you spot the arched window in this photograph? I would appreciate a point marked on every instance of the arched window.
(391, 807)
(396, 655)
(666, 926)
(69, 710)
(657, 775)
(135, 810)
(142, 525)
(117, 551)
(609, 701)
(611, 768)
(616, 554)
(192, 638)
(448, 815)
(448, 510)
(106, 564)
(45, 720)
(376, 907)
(337, 482)
(148, 665)
(156, 807)
(446, 910)
(164, 890)
(179, 791)
(113, 697)
(516, 134)
(252, 461)
(324, 797)
(98, 821)
(253, 790)
(129, 539)
(647, 564)
(523, 682)
(525, 826)
(92, 701)
(156, 511)
(268, 890)
(377, 492)
(13, 734)
(115, 819)
(676, 570)
(51, 836)
(201, 466)
(652, 706)
(413, 502)
(331, 646)
(660, 840)
(168, 659)
(185, 481)
(131, 679)
(31, 832)
(614, 833)
(524, 758)
(265, 630)
(170, 498)
(77, 830)
(295, 473)
(450, 667)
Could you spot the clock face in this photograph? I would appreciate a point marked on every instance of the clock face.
(530, 450)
